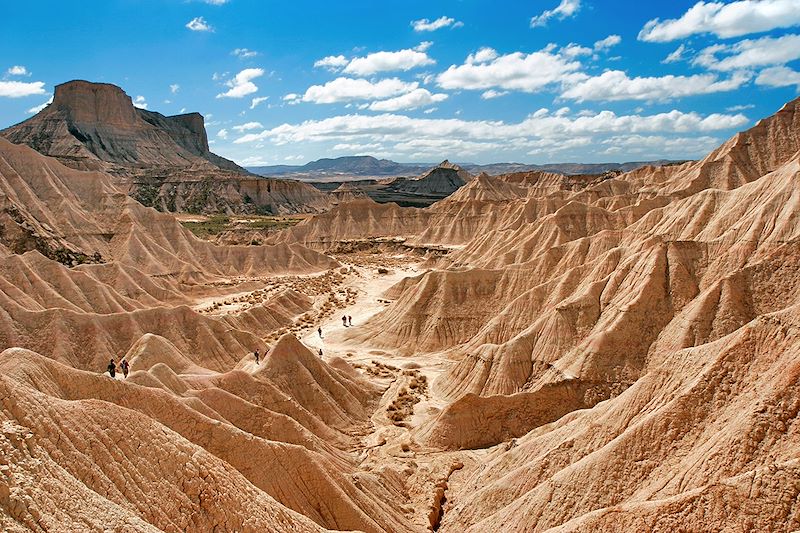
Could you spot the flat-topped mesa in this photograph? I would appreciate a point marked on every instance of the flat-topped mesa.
(99, 121)
(94, 103)
(161, 161)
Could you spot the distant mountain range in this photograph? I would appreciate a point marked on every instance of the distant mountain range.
(367, 166)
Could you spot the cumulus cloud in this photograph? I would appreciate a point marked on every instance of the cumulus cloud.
(332, 62)
(174, 88)
(242, 84)
(616, 85)
(608, 42)
(779, 77)
(244, 53)
(516, 71)
(216, 2)
(258, 100)
(725, 20)
(18, 70)
(433, 25)
(566, 9)
(748, 53)
(412, 100)
(140, 102)
(676, 55)
(575, 50)
(740, 107)
(18, 89)
(350, 89)
(222, 134)
(375, 62)
(356, 148)
(491, 93)
(482, 56)
(541, 129)
(40, 107)
(199, 24)
(390, 61)
(248, 126)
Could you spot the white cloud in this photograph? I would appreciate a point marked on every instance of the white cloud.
(740, 107)
(18, 89)
(750, 53)
(515, 71)
(442, 22)
(258, 100)
(779, 77)
(242, 84)
(573, 50)
(616, 85)
(357, 148)
(389, 61)
(216, 2)
(18, 70)
(222, 134)
(658, 145)
(254, 161)
(174, 88)
(608, 42)
(349, 89)
(244, 53)
(676, 55)
(491, 93)
(140, 102)
(199, 24)
(483, 55)
(412, 100)
(566, 9)
(248, 126)
(40, 107)
(332, 62)
(725, 20)
(535, 131)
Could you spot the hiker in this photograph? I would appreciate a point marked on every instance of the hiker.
(319, 330)
(256, 355)
(112, 368)
(125, 367)
(344, 320)
(320, 352)
(350, 319)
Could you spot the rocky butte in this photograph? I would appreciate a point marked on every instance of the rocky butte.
(163, 162)
(532, 352)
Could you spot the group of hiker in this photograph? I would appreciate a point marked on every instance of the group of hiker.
(347, 321)
(123, 365)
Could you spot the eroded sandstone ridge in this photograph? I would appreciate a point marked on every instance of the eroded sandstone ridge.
(163, 162)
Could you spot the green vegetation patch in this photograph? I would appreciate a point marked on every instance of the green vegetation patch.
(216, 224)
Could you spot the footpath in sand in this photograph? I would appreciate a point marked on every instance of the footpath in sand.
(408, 401)
(357, 289)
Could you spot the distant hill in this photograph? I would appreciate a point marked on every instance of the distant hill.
(368, 166)
(359, 165)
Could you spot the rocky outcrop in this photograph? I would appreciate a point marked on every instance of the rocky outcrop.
(442, 181)
(162, 161)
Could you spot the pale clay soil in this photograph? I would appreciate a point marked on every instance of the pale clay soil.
(386, 444)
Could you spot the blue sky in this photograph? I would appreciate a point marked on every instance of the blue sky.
(535, 82)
